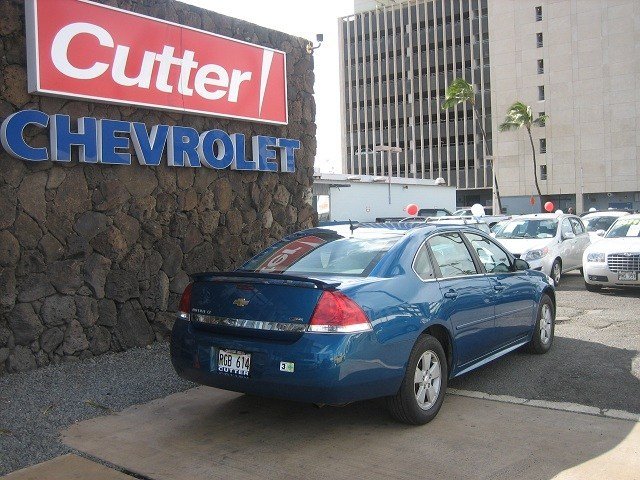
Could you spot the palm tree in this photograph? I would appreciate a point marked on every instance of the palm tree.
(518, 116)
(461, 91)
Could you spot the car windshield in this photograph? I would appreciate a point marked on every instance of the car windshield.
(322, 253)
(625, 227)
(533, 228)
(594, 224)
(498, 227)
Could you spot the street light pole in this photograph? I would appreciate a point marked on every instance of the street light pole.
(389, 149)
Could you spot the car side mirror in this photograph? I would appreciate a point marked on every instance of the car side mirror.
(520, 264)
(568, 236)
(600, 233)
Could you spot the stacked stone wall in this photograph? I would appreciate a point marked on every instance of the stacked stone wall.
(93, 258)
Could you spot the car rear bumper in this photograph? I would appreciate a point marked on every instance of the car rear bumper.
(599, 274)
(328, 368)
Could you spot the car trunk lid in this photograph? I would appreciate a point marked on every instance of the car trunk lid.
(255, 304)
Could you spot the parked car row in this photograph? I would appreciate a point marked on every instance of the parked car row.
(605, 246)
(349, 312)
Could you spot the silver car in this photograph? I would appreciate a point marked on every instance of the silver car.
(549, 242)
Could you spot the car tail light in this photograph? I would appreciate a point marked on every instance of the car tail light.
(337, 313)
(184, 310)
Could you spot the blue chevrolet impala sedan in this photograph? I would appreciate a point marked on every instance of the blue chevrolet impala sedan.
(338, 314)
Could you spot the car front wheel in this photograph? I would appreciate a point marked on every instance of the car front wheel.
(556, 271)
(543, 332)
(424, 385)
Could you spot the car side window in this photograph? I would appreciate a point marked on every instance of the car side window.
(494, 259)
(422, 264)
(578, 228)
(566, 227)
(452, 256)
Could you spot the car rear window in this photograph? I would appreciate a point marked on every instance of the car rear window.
(327, 254)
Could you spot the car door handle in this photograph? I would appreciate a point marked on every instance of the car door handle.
(451, 294)
(499, 288)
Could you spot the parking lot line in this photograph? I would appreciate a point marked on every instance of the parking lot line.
(564, 406)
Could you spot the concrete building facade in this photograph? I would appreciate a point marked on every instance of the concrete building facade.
(397, 60)
(579, 63)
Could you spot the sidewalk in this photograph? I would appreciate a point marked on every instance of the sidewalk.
(208, 433)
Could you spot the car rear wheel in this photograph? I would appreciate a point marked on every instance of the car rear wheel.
(556, 271)
(424, 385)
(543, 332)
(592, 288)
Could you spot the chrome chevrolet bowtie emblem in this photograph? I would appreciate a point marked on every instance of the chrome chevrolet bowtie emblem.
(240, 302)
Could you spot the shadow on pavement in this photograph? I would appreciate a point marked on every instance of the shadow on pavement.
(573, 370)
(574, 282)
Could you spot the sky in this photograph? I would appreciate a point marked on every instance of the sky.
(304, 18)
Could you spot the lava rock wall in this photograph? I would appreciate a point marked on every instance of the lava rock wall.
(93, 258)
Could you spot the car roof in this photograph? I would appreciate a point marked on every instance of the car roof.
(607, 213)
(390, 229)
(544, 216)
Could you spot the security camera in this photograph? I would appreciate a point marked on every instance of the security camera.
(311, 48)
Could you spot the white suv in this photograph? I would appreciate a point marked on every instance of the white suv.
(549, 242)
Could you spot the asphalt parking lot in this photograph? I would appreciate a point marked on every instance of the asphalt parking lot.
(595, 362)
(595, 359)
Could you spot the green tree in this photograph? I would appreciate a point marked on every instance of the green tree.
(518, 116)
(461, 91)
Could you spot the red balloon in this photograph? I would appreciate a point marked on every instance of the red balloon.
(548, 206)
(412, 209)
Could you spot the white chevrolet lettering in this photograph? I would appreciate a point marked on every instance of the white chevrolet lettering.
(210, 81)
(60, 50)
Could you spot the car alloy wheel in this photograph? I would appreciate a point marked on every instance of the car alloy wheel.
(542, 337)
(546, 324)
(427, 380)
(556, 272)
(421, 393)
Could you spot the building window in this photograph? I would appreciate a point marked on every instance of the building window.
(543, 147)
(539, 13)
(541, 92)
(539, 41)
(540, 65)
(543, 172)
(542, 122)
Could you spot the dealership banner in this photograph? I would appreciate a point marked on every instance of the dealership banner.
(81, 49)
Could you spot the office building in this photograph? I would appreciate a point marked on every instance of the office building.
(398, 58)
(578, 62)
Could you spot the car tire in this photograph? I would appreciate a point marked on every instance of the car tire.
(592, 288)
(556, 271)
(543, 332)
(581, 271)
(418, 402)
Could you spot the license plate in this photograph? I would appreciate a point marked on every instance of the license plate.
(233, 362)
(628, 276)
